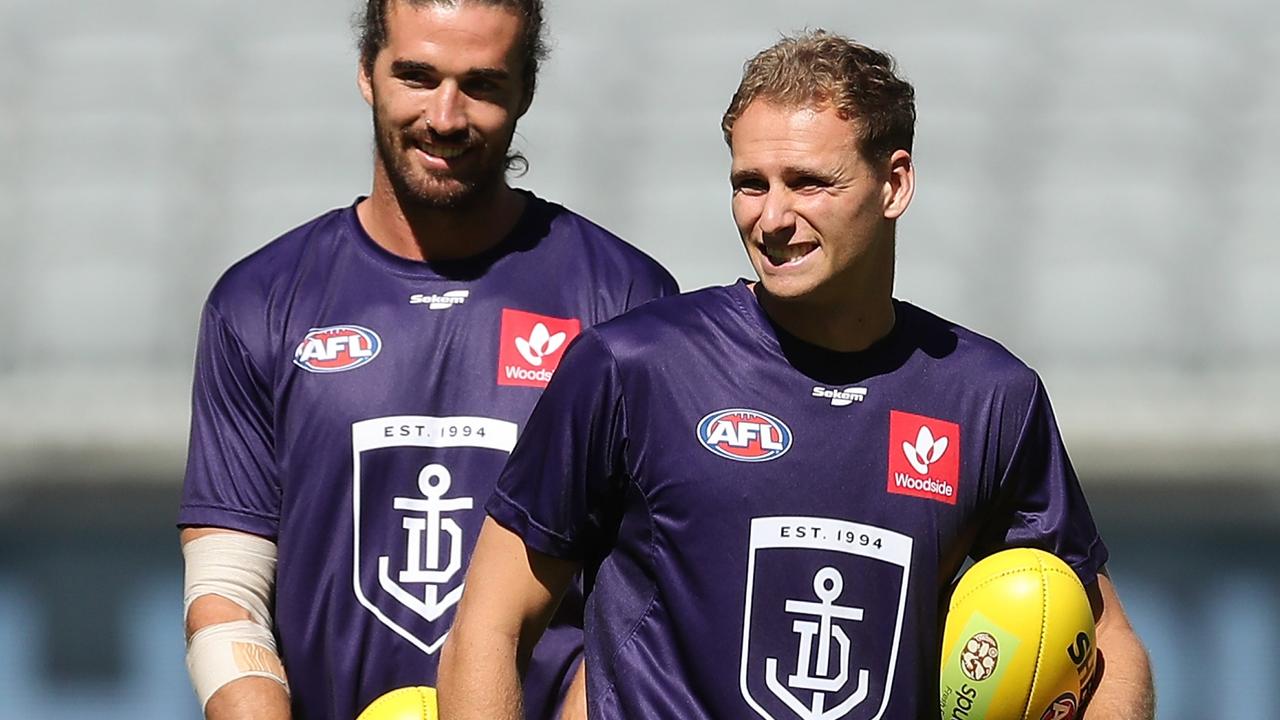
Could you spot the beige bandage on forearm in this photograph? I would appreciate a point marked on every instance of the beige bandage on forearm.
(240, 568)
(219, 654)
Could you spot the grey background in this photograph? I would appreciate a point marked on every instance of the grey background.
(1094, 183)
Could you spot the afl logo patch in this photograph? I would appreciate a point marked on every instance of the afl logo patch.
(744, 435)
(337, 348)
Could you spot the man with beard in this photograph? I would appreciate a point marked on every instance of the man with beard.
(360, 381)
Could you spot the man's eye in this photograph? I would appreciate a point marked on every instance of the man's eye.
(750, 187)
(481, 88)
(418, 80)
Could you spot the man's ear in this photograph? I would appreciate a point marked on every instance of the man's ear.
(900, 186)
(525, 102)
(365, 82)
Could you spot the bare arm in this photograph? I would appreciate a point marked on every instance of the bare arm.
(511, 592)
(1125, 691)
(248, 698)
(575, 698)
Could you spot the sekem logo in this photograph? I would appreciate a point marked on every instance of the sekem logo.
(841, 398)
(337, 348)
(744, 435)
(443, 301)
(924, 457)
(531, 346)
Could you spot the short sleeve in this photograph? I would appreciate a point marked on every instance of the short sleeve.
(1039, 502)
(231, 478)
(567, 471)
(652, 285)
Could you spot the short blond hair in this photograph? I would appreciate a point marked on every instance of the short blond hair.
(823, 69)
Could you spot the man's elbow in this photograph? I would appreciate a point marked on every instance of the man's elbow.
(1124, 688)
(450, 659)
(209, 610)
(470, 645)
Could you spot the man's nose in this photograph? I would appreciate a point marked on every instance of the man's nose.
(778, 216)
(447, 114)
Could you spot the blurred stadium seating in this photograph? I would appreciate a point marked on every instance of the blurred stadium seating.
(1096, 188)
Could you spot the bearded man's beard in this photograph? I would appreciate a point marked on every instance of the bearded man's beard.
(418, 187)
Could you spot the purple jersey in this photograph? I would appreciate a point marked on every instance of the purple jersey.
(770, 527)
(357, 407)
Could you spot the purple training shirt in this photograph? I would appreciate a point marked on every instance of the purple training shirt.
(768, 527)
(357, 407)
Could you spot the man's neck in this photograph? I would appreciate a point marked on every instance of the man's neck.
(851, 325)
(439, 234)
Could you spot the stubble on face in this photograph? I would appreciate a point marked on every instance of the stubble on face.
(459, 68)
(423, 188)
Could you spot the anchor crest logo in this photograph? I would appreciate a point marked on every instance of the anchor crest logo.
(428, 530)
(414, 520)
(814, 662)
(820, 634)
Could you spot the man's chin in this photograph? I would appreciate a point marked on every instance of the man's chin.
(788, 289)
(437, 195)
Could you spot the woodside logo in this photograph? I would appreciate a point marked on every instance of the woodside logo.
(924, 457)
(531, 345)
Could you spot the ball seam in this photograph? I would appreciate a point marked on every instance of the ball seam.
(1044, 629)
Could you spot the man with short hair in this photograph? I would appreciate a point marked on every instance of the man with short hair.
(772, 485)
(360, 381)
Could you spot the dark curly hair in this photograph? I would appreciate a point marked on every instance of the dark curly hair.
(373, 32)
(825, 69)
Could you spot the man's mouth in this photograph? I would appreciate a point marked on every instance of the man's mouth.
(782, 255)
(444, 152)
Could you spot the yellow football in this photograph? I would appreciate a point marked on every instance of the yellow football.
(406, 703)
(1019, 640)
